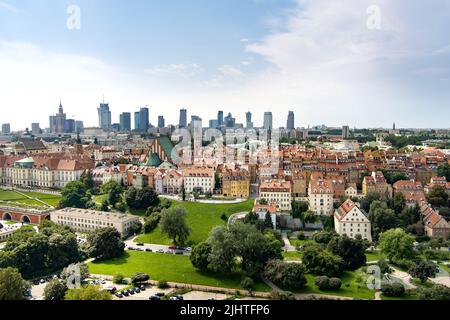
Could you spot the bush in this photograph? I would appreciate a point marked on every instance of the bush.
(119, 279)
(286, 275)
(152, 222)
(163, 284)
(139, 277)
(436, 292)
(326, 283)
(224, 217)
(301, 236)
(247, 283)
(395, 289)
(120, 206)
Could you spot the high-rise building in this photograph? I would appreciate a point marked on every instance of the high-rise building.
(345, 132)
(290, 121)
(161, 122)
(79, 126)
(268, 121)
(125, 122)
(183, 118)
(69, 126)
(230, 121)
(6, 128)
(136, 120)
(52, 123)
(144, 120)
(213, 124)
(35, 128)
(60, 119)
(104, 116)
(248, 117)
(115, 127)
(220, 118)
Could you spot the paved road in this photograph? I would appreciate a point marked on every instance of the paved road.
(403, 277)
(287, 243)
(443, 277)
(236, 216)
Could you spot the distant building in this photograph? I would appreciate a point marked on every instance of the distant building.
(345, 132)
(230, 121)
(236, 183)
(79, 126)
(6, 128)
(376, 183)
(144, 122)
(248, 118)
(268, 121)
(351, 220)
(220, 119)
(35, 128)
(83, 220)
(125, 122)
(183, 118)
(115, 127)
(161, 122)
(290, 121)
(104, 116)
(213, 123)
(136, 121)
(69, 126)
(58, 121)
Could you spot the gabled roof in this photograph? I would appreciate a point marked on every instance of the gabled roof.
(346, 208)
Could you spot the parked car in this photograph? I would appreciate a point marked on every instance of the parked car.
(160, 294)
(111, 289)
(42, 281)
(178, 252)
(169, 252)
(119, 295)
(160, 251)
(154, 298)
(140, 244)
(173, 247)
(131, 291)
(137, 290)
(148, 250)
(189, 249)
(125, 293)
(142, 288)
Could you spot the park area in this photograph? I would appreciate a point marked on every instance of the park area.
(34, 200)
(201, 218)
(172, 268)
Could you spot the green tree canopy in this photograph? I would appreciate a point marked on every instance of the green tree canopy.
(11, 285)
(173, 223)
(105, 243)
(397, 245)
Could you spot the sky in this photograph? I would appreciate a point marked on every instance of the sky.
(354, 62)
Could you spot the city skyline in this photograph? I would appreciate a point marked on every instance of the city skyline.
(274, 56)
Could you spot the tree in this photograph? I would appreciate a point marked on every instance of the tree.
(436, 292)
(130, 197)
(395, 289)
(410, 216)
(115, 194)
(268, 221)
(152, 222)
(62, 250)
(90, 292)
(324, 237)
(223, 250)
(444, 171)
(145, 198)
(247, 283)
(397, 203)
(105, 206)
(118, 278)
(55, 290)
(11, 284)
(352, 251)
(199, 256)
(382, 218)
(317, 260)
(105, 243)
(397, 245)
(135, 228)
(74, 195)
(367, 201)
(290, 276)
(326, 283)
(423, 270)
(298, 209)
(438, 197)
(110, 185)
(139, 277)
(173, 223)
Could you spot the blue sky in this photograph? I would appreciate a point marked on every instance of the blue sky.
(315, 57)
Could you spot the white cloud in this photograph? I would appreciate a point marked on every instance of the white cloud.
(244, 40)
(9, 7)
(181, 69)
(230, 71)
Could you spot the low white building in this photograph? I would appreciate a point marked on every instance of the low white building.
(198, 180)
(83, 220)
(351, 220)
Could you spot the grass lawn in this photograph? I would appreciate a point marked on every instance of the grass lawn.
(403, 297)
(7, 195)
(50, 199)
(172, 268)
(292, 255)
(355, 290)
(373, 255)
(300, 243)
(99, 198)
(201, 218)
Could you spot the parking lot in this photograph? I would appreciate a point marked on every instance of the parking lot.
(200, 295)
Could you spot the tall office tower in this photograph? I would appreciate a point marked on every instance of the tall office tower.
(197, 132)
(345, 132)
(230, 121)
(104, 116)
(6, 128)
(290, 121)
(268, 121)
(248, 117)
(161, 122)
(183, 118)
(79, 126)
(69, 126)
(213, 124)
(220, 118)
(125, 122)
(144, 120)
(136, 120)
(35, 128)
(60, 119)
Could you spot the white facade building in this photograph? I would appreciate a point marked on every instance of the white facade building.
(351, 220)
